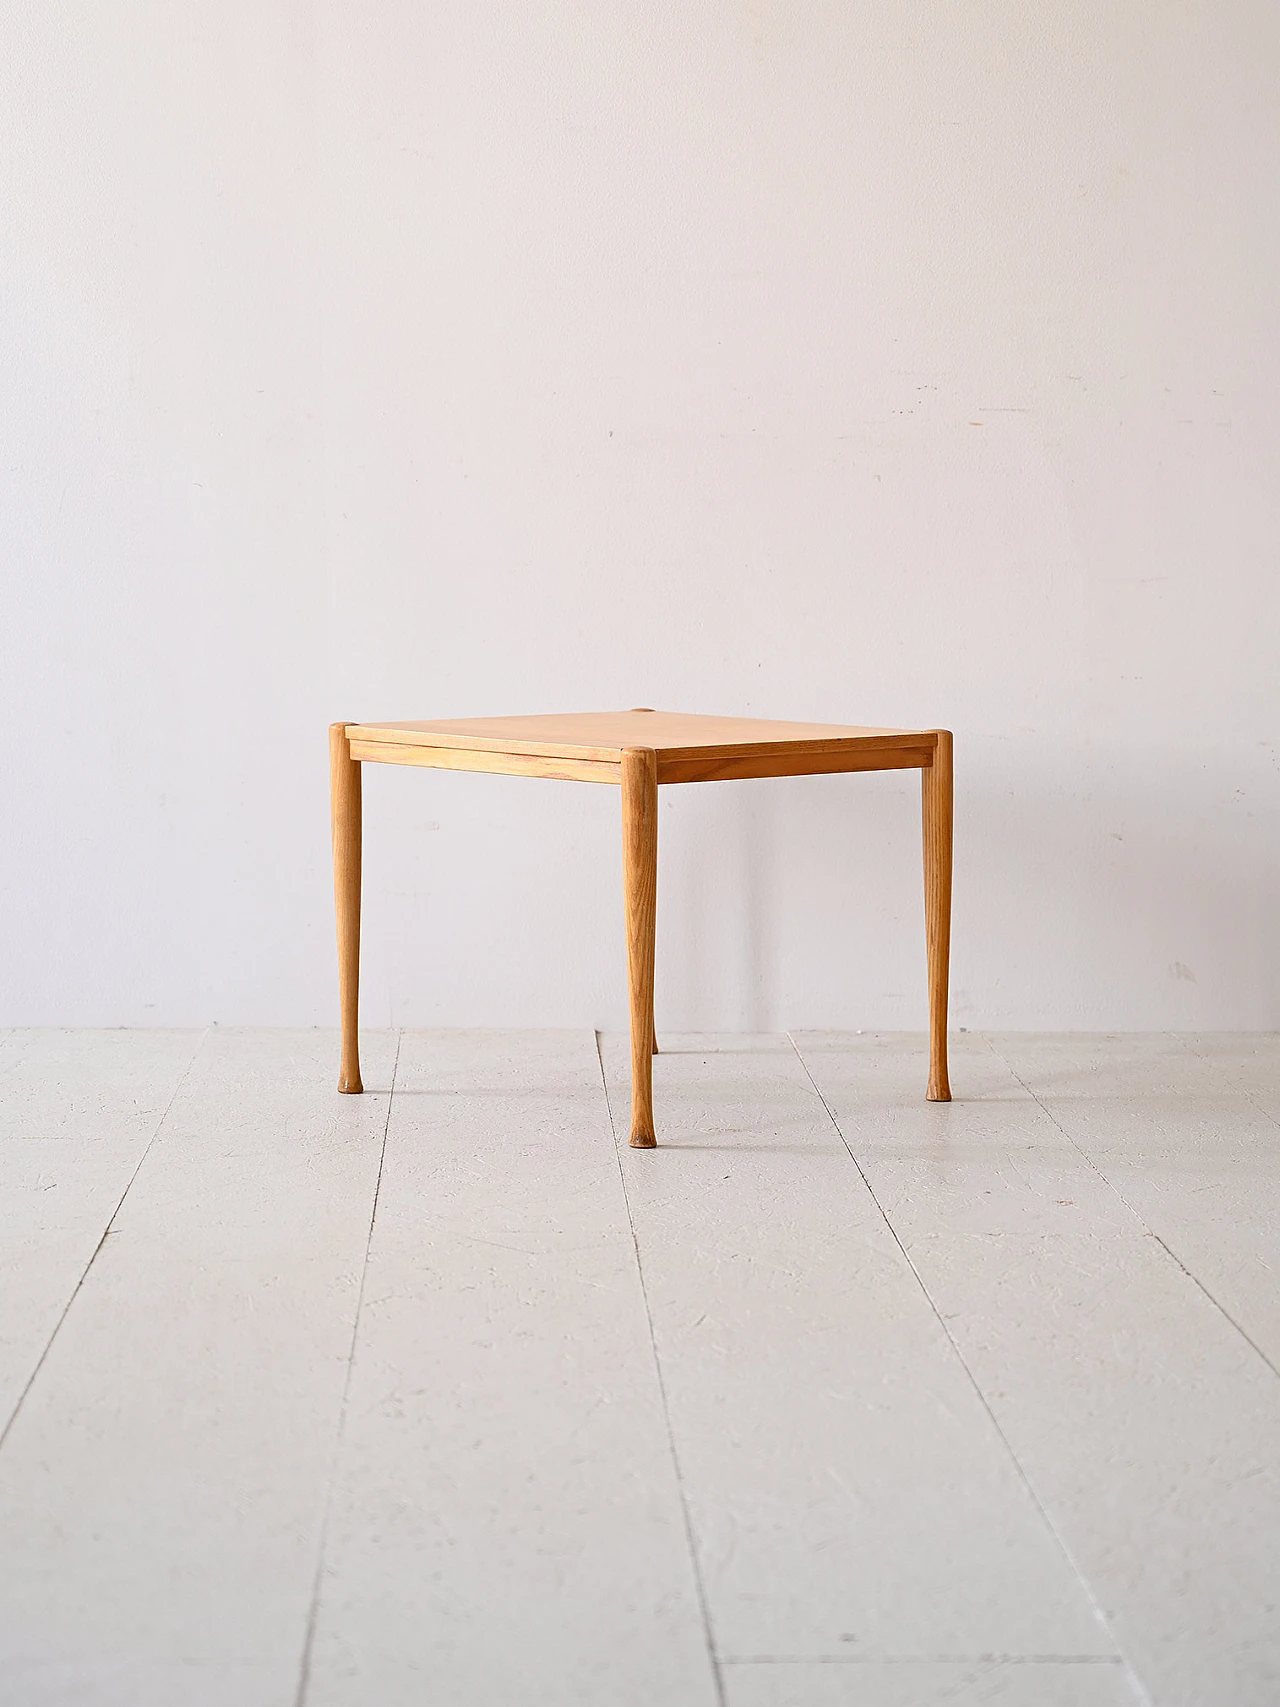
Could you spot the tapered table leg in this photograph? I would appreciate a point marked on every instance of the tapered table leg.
(344, 805)
(936, 802)
(640, 898)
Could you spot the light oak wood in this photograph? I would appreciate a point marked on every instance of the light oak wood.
(936, 804)
(816, 761)
(713, 766)
(603, 735)
(345, 817)
(639, 750)
(471, 759)
(640, 906)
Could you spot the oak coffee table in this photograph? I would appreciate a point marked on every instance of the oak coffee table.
(639, 751)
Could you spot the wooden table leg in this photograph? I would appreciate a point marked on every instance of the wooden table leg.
(936, 801)
(640, 903)
(344, 806)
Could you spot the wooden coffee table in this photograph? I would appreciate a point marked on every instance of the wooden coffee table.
(639, 751)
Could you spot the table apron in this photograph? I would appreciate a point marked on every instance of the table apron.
(707, 767)
(725, 767)
(473, 759)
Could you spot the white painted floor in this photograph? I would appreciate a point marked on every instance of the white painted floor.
(443, 1397)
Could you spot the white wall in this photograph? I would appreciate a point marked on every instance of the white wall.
(867, 360)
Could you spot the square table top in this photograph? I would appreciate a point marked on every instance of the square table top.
(690, 746)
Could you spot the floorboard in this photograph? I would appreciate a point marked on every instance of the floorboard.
(507, 1526)
(161, 1491)
(77, 1112)
(1144, 1420)
(1187, 1131)
(932, 1683)
(849, 1492)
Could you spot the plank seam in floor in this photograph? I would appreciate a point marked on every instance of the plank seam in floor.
(924, 1660)
(696, 1568)
(304, 1669)
(1137, 1215)
(111, 1221)
(1090, 1596)
(1240, 1090)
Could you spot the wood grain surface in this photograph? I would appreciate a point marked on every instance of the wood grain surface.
(640, 903)
(345, 816)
